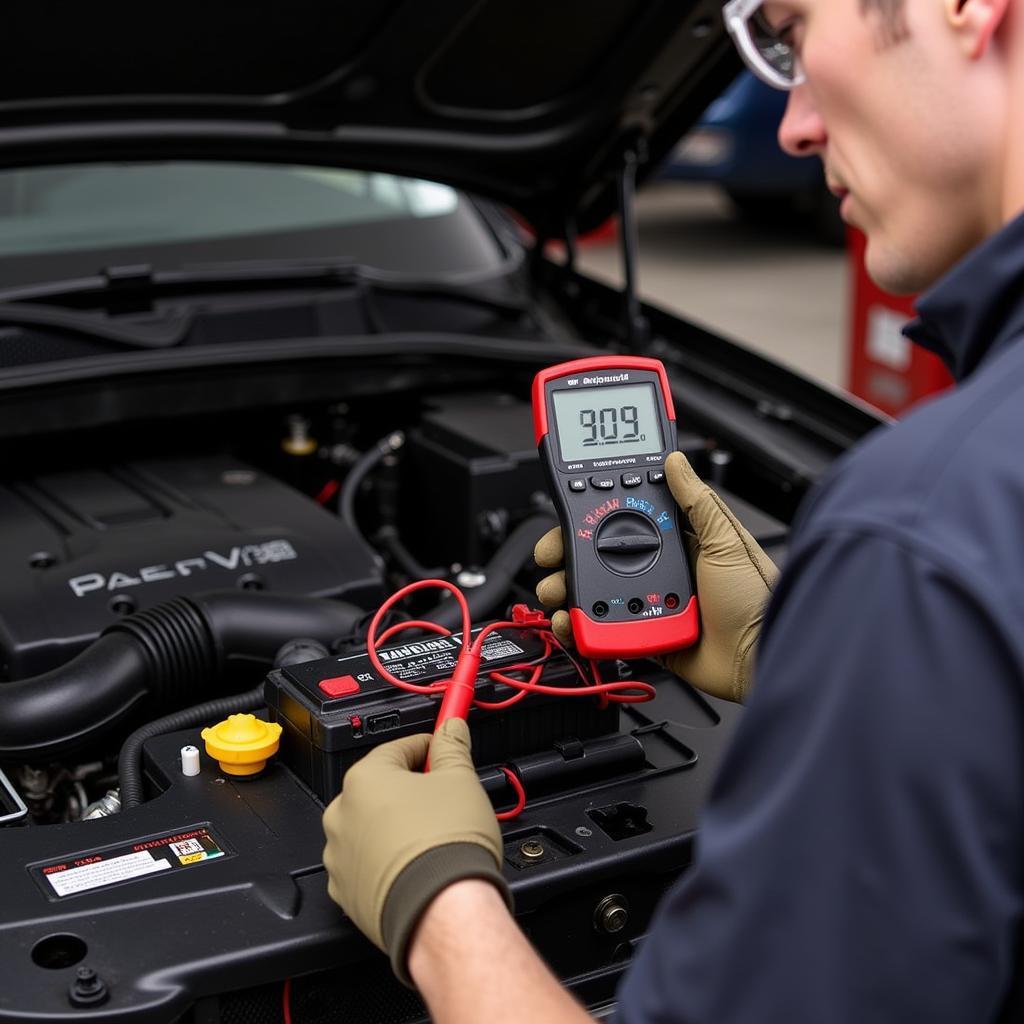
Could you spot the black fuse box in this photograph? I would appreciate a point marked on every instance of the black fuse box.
(476, 456)
(478, 452)
(335, 710)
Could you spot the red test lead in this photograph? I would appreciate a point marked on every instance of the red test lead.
(461, 688)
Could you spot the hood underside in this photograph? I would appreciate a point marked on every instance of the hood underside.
(529, 102)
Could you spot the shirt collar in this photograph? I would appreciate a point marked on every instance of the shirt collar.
(978, 306)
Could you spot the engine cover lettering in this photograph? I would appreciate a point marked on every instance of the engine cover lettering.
(152, 573)
(240, 556)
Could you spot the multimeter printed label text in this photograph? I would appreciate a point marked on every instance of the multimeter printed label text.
(640, 504)
(595, 515)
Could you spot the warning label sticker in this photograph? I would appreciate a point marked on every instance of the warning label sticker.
(105, 872)
(127, 862)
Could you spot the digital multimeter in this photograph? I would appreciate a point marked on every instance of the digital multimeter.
(604, 428)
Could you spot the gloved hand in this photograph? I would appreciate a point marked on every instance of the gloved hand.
(734, 579)
(397, 837)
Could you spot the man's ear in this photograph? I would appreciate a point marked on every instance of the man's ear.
(976, 22)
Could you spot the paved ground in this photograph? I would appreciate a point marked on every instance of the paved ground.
(780, 293)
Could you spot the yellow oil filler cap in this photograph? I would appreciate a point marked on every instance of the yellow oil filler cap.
(242, 743)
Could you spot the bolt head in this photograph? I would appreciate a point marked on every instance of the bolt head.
(88, 988)
(612, 914)
(614, 918)
(532, 849)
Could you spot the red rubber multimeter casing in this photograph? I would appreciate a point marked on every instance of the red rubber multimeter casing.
(604, 428)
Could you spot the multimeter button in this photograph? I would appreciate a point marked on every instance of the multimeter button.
(632, 479)
(578, 484)
(602, 483)
(655, 476)
(627, 543)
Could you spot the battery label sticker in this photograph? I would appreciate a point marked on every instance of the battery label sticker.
(435, 657)
(127, 862)
(497, 648)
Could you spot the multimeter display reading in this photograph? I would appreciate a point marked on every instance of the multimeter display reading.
(605, 427)
(620, 420)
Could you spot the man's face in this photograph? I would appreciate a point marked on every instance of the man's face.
(908, 128)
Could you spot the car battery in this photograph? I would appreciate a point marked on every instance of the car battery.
(334, 710)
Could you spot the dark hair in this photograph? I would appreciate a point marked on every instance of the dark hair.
(894, 22)
(890, 8)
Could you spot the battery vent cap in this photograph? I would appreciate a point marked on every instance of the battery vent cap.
(242, 743)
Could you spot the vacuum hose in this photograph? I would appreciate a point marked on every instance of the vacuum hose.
(163, 657)
(499, 573)
(129, 762)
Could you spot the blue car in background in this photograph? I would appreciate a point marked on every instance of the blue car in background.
(735, 146)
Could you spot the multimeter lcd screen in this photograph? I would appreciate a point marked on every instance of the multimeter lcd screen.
(596, 423)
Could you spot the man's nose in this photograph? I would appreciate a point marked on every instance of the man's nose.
(802, 130)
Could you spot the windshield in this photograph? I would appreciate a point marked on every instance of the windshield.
(60, 222)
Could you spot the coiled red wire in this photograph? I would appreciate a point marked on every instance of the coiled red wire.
(620, 691)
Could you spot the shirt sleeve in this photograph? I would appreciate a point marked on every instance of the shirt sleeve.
(860, 857)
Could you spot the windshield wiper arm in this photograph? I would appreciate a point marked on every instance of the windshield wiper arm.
(165, 334)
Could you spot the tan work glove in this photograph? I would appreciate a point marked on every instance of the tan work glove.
(397, 837)
(734, 579)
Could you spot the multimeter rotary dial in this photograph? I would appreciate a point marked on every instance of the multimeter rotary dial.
(628, 543)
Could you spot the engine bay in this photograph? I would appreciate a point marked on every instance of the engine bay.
(149, 589)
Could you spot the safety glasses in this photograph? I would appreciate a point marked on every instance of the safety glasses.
(770, 58)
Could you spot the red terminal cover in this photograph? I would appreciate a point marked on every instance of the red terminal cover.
(540, 408)
(634, 639)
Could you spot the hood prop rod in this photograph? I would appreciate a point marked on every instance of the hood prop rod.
(636, 328)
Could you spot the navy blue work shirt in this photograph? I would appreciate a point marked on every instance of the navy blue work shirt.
(861, 857)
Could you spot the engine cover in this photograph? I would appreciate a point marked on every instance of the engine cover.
(83, 548)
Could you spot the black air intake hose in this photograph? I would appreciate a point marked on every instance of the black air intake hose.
(165, 657)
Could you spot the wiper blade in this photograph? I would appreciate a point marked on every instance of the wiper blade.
(464, 288)
(144, 281)
(96, 326)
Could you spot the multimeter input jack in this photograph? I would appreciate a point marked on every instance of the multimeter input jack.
(635, 606)
(600, 609)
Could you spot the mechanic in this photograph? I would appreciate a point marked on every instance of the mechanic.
(861, 857)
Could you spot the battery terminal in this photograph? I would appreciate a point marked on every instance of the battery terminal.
(523, 615)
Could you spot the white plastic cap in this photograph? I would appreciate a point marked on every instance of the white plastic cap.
(190, 760)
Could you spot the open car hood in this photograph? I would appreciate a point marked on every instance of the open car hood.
(528, 102)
